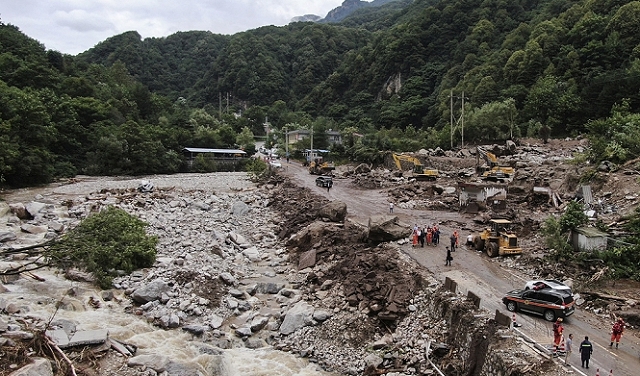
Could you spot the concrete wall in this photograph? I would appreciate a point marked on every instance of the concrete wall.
(483, 347)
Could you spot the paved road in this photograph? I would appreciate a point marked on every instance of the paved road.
(486, 277)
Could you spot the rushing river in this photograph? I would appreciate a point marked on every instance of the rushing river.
(39, 300)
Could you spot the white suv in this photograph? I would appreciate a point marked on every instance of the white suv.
(539, 284)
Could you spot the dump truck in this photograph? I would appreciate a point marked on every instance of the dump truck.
(498, 240)
(420, 172)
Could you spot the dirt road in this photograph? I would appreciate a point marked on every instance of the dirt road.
(474, 271)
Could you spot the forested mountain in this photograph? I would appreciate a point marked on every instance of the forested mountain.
(348, 7)
(170, 66)
(396, 73)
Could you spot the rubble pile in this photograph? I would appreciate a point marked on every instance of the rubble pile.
(244, 265)
(224, 275)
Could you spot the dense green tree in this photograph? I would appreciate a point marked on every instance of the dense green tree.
(615, 138)
(106, 243)
(246, 140)
(130, 105)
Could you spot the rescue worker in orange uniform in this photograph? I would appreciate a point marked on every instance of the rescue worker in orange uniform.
(616, 332)
(557, 335)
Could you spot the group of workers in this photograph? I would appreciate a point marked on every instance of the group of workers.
(586, 347)
(427, 234)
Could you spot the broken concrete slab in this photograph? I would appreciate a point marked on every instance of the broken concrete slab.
(59, 337)
(84, 337)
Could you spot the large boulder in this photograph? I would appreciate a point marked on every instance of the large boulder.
(150, 292)
(299, 316)
(20, 210)
(335, 211)
(39, 367)
(362, 169)
(240, 209)
(385, 228)
(34, 208)
(7, 236)
(310, 235)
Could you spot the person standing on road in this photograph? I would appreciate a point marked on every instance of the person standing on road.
(449, 258)
(452, 238)
(586, 349)
(568, 348)
(557, 335)
(429, 236)
(391, 207)
(616, 332)
(329, 185)
(469, 240)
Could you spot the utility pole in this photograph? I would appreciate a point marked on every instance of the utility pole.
(311, 153)
(451, 128)
(266, 126)
(460, 120)
(286, 141)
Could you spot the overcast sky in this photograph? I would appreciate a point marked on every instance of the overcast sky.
(74, 26)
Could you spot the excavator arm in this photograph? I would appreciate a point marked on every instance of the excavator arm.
(488, 157)
(495, 171)
(419, 171)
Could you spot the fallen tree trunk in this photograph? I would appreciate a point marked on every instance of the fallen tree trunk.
(606, 296)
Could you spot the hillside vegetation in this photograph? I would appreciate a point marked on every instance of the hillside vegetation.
(395, 73)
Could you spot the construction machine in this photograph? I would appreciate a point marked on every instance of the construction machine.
(498, 240)
(493, 170)
(419, 171)
(319, 167)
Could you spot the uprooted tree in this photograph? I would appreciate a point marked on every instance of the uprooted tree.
(108, 243)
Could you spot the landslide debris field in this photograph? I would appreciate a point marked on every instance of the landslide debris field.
(378, 297)
(547, 177)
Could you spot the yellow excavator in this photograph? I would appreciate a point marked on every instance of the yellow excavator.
(493, 171)
(419, 171)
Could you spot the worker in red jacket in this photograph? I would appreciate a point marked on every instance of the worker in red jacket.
(557, 335)
(616, 332)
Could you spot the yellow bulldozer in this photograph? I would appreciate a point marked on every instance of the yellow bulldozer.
(319, 167)
(493, 171)
(498, 240)
(420, 172)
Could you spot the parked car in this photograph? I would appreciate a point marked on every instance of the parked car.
(553, 284)
(324, 181)
(275, 163)
(547, 303)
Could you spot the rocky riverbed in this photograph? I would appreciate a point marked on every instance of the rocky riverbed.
(250, 279)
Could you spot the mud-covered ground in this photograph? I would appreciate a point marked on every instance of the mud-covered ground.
(375, 280)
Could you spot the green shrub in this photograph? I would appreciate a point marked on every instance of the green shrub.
(204, 164)
(256, 168)
(106, 243)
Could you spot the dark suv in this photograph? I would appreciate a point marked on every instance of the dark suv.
(547, 303)
(324, 181)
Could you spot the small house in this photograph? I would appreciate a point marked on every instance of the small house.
(225, 159)
(588, 239)
(333, 137)
(476, 197)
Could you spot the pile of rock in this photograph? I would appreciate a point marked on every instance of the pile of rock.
(225, 275)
